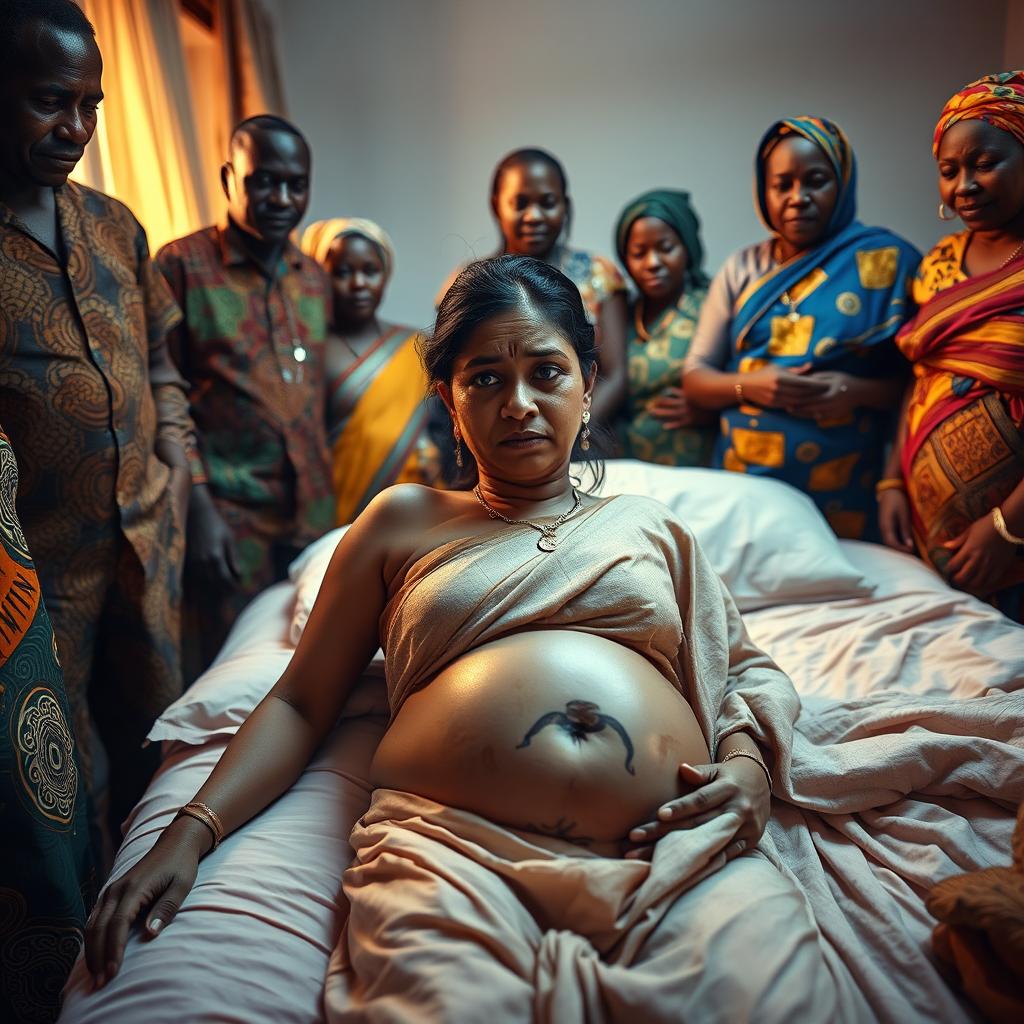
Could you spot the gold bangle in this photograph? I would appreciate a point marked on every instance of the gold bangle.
(1002, 529)
(753, 757)
(739, 392)
(890, 483)
(208, 816)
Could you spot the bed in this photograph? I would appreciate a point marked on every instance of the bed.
(875, 643)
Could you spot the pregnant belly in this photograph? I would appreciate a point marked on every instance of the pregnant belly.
(557, 732)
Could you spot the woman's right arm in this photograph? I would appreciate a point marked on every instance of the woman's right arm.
(271, 748)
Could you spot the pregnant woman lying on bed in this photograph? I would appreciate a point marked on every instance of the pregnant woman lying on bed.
(570, 794)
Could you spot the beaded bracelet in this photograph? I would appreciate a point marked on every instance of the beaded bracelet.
(753, 757)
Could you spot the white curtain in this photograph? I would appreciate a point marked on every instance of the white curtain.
(145, 151)
(168, 107)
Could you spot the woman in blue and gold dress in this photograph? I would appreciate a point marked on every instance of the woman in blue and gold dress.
(795, 342)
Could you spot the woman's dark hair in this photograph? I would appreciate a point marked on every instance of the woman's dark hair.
(486, 289)
(519, 157)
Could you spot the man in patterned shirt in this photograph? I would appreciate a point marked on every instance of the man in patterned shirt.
(89, 397)
(252, 348)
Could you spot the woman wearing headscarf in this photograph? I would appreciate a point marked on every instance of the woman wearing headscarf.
(376, 385)
(657, 239)
(795, 341)
(953, 486)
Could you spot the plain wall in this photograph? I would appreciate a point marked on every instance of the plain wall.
(408, 105)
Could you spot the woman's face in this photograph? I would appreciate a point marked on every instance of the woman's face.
(656, 258)
(531, 208)
(800, 191)
(358, 277)
(517, 395)
(981, 175)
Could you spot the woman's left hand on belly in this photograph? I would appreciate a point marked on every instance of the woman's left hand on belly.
(738, 787)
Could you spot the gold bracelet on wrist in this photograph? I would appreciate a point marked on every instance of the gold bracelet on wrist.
(753, 757)
(208, 816)
(738, 387)
(890, 483)
(1002, 529)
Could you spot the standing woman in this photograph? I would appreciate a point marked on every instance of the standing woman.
(658, 242)
(531, 204)
(376, 417)
(795, 341)
(955, 481)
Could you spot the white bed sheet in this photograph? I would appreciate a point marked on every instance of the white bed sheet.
(252, 940)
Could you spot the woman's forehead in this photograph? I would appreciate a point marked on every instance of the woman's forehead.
(515, 333)
(975, 134)
(794, 152)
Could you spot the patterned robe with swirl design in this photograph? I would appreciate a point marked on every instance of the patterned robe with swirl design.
(87, 389)
(47, 878)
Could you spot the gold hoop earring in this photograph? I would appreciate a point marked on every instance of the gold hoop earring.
(458, 448)
(943, 210)
(585, 436)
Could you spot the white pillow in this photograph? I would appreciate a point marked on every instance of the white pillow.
(307, 573)
(767, 540)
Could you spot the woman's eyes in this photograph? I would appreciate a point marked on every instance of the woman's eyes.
(544, 372)
(555, 371)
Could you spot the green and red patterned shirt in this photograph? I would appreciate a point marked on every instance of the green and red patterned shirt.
(252, 350)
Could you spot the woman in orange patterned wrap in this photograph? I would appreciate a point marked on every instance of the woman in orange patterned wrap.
(954, 486)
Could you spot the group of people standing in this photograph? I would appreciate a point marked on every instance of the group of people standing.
(828, 355)
(175, 430)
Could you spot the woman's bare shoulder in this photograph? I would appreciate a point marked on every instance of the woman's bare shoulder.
(408, 520)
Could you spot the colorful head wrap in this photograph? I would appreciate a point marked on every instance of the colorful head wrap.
(997, 99)
(318, 238)
(673, 207)
(831, 140)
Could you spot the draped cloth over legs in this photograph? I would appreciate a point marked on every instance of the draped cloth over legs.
(457, 919)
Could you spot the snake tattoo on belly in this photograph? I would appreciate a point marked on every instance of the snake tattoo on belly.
(579, 719)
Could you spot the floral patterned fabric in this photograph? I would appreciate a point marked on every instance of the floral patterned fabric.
(260, 414)
(653, 366)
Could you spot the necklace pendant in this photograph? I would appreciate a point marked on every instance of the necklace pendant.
(793, 316)
(300, 353)
(547, 542)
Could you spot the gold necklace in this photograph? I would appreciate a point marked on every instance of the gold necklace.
(792, 316)
(638, 320)
(547, 541)
(1013, 255)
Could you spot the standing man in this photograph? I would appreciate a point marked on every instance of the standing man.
(89, 398)
(252, 349)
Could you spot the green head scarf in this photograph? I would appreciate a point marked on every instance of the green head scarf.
(673, 207)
